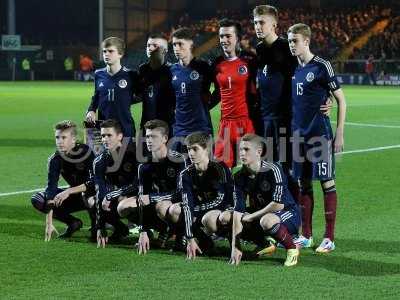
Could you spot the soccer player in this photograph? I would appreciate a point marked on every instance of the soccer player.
(271, 210)
(207, 195)
(72, 161)
(235, 87)
(158, 181)
(114, 88)
(191, 80)
(115, 177)
(276, 67)
(155, 83)
(313, 80)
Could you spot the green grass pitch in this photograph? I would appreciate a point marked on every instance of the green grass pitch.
(365, 265)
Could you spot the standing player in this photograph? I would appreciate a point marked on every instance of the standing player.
(114, 88)
(274, 77)
(73, 161)
(191, 80)
(155, 87)
(158, 181)
(235, 87)
(272, 209)
(313, 80)
(115, 177)
(207, 193)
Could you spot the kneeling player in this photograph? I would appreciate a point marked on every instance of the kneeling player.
(312, 82)
(158, 181)
(73, 161)
(115, 177)
(207, 194)
(273, 210)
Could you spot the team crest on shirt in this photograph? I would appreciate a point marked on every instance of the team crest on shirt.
(194, 75)
(122, 83)
(242, 70)
(310, 76)
(127, 167)
(265, 186)
(171, 172)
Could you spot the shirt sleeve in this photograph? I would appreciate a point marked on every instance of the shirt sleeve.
(94, 104)
(53, 175)
(99, 169)
(328, 75)
(187, 203)
(277, 185)
(239, 196)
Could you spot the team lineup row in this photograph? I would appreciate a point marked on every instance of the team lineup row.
(283, 91)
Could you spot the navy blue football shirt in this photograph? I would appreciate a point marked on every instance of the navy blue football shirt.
(191, 84)
(113, 97)
(311, 85)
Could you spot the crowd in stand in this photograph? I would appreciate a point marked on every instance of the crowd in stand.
(384, 45)
(332, 29)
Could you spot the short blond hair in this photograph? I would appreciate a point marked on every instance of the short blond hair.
(114, 41)
(300, 28)
(66, 125)
(266, 10)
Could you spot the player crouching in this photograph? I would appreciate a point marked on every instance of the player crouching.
(207, 195)
(273, 210)
(73, 161)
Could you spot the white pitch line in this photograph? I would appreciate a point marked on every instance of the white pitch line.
(369, 125)
(369, 149)
(342, 153)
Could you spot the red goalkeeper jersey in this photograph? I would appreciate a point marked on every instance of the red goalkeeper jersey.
(232, 81)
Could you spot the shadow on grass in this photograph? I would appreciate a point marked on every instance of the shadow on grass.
(350, 266)
(372, 246)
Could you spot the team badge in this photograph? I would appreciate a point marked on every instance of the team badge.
(242, 70)
(122, 83)
(171, 172)
(194, 75)
(127, 167)
(310, 76)
(265, 186)
(80, 166)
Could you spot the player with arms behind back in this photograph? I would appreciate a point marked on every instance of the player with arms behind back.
(191, 80)
(313, 80)
(235, 86)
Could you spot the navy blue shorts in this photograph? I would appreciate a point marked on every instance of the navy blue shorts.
(314, 160)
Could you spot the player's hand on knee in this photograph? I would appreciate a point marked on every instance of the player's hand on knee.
(144, 243)
(192, 249)
(59, 198)
(91, 116)
(246, 218)
(102, 238)
(50, 229)
(236, 256)
(105, 205)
